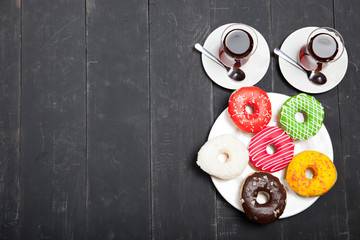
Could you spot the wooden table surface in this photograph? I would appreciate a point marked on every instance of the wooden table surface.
(105, 104)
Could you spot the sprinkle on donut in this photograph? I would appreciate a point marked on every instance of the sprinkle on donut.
(236, 153)
(255, 98)
(323, 168)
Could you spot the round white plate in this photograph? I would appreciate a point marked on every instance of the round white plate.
(334, 72)
(230, 189)
(254, 69)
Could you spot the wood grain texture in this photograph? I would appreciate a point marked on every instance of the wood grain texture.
(53, 120)
(183, 198)
(105, 104)
(231, 222)
(253, 13)
(347, 22)
(118, 120)
(10, 53)
(286, 18)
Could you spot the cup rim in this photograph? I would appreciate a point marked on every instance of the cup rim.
(311, 35)
(248, 29)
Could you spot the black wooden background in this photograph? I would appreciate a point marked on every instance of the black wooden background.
(104, 105)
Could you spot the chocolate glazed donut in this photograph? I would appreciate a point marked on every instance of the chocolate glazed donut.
(270, 185)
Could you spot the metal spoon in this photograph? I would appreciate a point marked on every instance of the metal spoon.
(235, 73)
(314, 76)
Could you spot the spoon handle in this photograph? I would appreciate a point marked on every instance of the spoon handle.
(288, 59)
(208, 54)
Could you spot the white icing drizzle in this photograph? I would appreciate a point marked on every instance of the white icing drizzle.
(271, 162)
(315, 116)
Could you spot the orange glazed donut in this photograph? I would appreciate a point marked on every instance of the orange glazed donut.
(324, 170)
(257, 99)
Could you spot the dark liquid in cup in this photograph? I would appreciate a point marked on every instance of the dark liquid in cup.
(323, 47)
(238, 43)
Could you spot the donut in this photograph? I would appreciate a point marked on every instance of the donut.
(284, 149)
(262, 182)
(237, 157)
(324, 170)
(314, 116)
(257, 99)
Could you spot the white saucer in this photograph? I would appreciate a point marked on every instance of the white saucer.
(334, 72)
(230, 189)
(254, 69)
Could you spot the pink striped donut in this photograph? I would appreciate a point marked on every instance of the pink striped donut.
(282, 156)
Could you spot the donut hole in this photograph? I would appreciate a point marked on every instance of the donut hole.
(262, 197)
(300, 116)
(271, 149)
(309, 173)
(250, 109)
(223, 157)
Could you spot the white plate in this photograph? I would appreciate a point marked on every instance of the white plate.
(254, 69)
(334, 72)
(230, 189)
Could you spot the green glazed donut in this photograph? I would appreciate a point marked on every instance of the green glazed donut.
(314, 118)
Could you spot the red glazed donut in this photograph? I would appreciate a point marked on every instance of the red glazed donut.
(256, 98)
(282, 156)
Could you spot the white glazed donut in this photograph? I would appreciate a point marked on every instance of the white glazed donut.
(235, 151)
